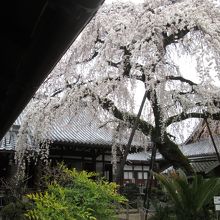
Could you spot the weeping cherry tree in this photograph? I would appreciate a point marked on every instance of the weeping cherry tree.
(167, 49)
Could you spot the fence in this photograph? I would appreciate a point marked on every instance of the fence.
(128, 212)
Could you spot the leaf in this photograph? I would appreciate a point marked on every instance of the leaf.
(189, 197)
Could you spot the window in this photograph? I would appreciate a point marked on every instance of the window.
(137, 167)
(140, 175)
(128, 175)
(99, 167)
(127, 167)
(145, 175)
(145, 167)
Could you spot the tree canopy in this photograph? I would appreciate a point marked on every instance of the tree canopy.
(128, 48)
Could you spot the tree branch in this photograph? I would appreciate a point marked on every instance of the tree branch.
(109, 105)
(181, 79)
(95, 54)
(166, 147)
(184, 116)
(173, 38)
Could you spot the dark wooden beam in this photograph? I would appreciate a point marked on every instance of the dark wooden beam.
(34, 36)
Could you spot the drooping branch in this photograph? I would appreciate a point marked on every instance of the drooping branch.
(179, 34)
(182, 116)
(125, 62)
(177, 78)
(181, 79)
(166, 147)
(127, 70)
(109, 105)
(95, 53)
(113, 64)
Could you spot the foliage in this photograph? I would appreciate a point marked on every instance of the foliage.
(158, 195)
(190, 197)
(131, 192)
(79, 198)
(14, 203)
(161, 203)
(16, 210)
(13, 188)
(162, 212)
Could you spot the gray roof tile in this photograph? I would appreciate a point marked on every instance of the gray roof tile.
(142, 156)
(198, 166)
(81, 128)
(204, 166)
(9, 141)
(201, 148)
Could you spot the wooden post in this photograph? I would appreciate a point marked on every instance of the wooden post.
(103, 163)
(142, 214)
(127, 211)
(120, 169)
(149, 181)
(213, 142)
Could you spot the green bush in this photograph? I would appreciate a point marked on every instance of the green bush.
(76, 197)
(158, 195)
(190, 199)
(15, 210)
(14, 205)
(130, 191)
(162, 212)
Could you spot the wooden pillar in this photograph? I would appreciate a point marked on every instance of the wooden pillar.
(93, 153)
(12, 168)
(150, 181)
(103, 163)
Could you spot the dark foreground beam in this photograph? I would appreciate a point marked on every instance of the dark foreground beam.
(34, 36)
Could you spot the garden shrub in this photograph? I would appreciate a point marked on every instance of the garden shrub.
(131, 192)
(15, 210)
(76, 197)
(190, 199)
(14, 204)
(162, 212)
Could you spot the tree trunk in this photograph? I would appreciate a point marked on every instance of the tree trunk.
(173, 154)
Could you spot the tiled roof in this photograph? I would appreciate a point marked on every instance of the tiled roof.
(9, 141)
(80, 128)
(201, 130)
(84, 128)
(198, 167)
(204, 166)
(201, 148)
(18, 121)
(142, 156)
(77, 128)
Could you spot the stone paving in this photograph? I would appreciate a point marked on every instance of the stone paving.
(133, 216)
